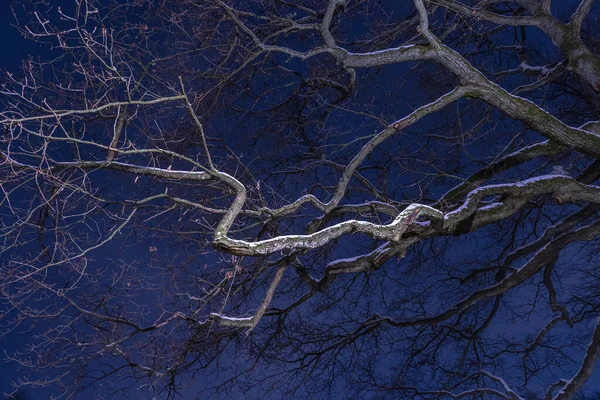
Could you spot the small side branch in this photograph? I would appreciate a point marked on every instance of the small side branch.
(252, 322)
(198, 125)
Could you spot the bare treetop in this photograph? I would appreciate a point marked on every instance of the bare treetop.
(338, 199)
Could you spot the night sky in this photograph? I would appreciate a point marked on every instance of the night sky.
(15, 49)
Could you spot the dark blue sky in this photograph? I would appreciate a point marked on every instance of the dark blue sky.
(14, 49)
(14, 46)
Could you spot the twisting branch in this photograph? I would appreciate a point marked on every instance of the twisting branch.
(433, 218)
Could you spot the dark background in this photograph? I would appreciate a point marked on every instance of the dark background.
(14, 49)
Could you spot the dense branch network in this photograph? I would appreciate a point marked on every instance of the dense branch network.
(48, 149)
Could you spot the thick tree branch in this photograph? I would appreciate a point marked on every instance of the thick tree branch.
(585, 371)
